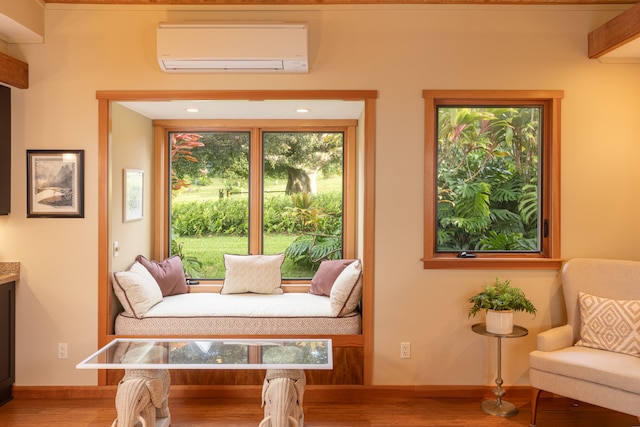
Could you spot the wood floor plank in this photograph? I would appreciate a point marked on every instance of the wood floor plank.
(319, 412)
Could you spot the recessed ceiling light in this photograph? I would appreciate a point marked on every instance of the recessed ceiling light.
(302, 110)
(192, 110)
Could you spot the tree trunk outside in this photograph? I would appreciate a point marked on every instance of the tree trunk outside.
(298, 181)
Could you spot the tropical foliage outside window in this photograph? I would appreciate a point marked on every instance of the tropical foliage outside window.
(488, 175)
(218, 206)
(491, 177)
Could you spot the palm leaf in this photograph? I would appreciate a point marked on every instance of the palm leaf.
(528, 205)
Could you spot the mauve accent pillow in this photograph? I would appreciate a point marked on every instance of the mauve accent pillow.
(169, 274)
(327, 273)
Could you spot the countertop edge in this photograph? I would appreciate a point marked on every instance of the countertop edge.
(8, 278)
(9, 272)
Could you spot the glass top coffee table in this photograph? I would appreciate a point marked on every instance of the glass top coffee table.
(142, 353)
(142, 396)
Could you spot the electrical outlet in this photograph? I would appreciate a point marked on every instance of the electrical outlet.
(405, 350)
(62, 350)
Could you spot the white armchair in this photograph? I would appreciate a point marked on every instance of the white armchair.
(603, 369)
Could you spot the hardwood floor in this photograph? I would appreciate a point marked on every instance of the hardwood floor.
(319, 412)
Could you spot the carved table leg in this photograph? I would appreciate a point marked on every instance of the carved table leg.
(282, 398)
(143, 396)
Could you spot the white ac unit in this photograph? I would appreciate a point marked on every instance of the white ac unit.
(205, 47)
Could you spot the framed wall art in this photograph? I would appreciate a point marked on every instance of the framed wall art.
(55, 183)
(132, 203)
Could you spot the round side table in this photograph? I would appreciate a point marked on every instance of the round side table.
(499, 407)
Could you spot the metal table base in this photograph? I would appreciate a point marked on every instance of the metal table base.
(499, 407)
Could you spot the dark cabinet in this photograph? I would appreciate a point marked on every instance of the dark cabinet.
(5, 150)
(7, 340)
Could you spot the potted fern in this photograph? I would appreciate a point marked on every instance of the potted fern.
(500, 300)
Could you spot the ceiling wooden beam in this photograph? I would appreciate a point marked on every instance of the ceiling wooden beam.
(14, 72)
(333, 2)
(614, 33)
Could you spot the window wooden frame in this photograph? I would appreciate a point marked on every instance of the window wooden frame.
(549, 256)
(256, 128)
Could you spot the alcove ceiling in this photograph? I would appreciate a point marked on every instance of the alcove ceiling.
(308, 109)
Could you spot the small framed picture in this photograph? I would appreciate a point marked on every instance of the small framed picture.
(133, 190)
(55, 183)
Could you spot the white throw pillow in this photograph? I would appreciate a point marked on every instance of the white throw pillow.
(260, 274)
(136, 290)
(346, 290)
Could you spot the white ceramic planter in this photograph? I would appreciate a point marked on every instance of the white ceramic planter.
(500, 322)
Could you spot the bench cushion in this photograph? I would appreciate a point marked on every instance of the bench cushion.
(197, 304)
(245, 314)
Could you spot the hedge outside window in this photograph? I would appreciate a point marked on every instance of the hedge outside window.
(492, 179)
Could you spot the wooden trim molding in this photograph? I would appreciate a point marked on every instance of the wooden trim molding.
(614, 33)
(330, 2)
(252, 95)
(368, 256)
(253, 391)
(14, 72)
(104, 219)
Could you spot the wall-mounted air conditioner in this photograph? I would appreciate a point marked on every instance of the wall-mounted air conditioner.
(205, 47)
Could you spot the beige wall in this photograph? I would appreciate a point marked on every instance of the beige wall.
(399, 52)
(132, 148)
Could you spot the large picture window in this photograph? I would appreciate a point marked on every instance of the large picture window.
(491, 180)
(258, 190)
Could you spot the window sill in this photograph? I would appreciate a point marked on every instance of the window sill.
(493, 263)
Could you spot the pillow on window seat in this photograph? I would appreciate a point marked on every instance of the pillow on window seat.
(136, 290)
(608, 324)
(169, 274)
(327, 273)
(258, 274)
(347, 290)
